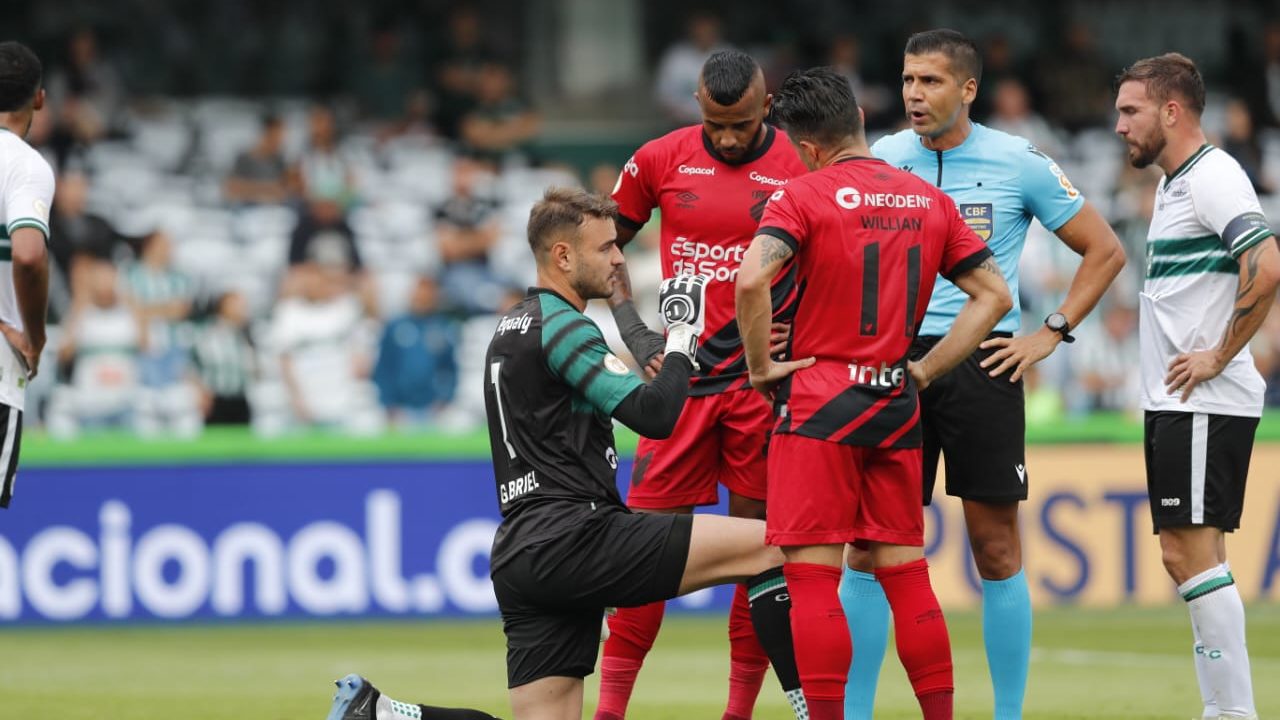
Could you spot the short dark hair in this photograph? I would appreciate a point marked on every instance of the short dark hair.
(728, 74)
(817, 105)
(563, 209)
(966, 61)
(20, 75)
(1168, 75)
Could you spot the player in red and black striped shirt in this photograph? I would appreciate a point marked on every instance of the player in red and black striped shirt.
(865, 242)
(710, 182)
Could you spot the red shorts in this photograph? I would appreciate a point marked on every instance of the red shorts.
(823, 493)
(719, 440)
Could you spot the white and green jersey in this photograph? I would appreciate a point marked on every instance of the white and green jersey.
(1206, 216)
(26, 192)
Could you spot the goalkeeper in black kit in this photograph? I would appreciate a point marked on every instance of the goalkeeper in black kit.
(568, 547)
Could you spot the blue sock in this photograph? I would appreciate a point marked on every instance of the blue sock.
(867, 612)
(1006, 632)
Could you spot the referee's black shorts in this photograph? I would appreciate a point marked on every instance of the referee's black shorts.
(553, 594)
(10, 445)
(977, 423)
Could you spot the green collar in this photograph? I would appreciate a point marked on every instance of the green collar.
(1186, 164)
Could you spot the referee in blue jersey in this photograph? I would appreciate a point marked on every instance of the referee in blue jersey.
(974, 416)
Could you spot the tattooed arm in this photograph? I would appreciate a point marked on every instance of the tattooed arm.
(988, 301)
(766, 256)
(1259, 276)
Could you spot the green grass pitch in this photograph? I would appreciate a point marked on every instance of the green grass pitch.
(1129, 663)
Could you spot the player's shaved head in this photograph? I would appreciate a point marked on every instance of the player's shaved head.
(960, 51)
(817, 105)
(559, 215)
(20, 75)
(1171, 76)
(734, 103)
(728, 75)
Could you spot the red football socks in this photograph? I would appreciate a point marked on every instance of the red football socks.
(748, 662)
(921, 634)
(821, 637)
(631, 635)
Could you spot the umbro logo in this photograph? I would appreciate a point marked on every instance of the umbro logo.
(686, 196)
(1022, 473)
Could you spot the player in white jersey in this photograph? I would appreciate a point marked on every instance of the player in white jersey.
(1212, 271)
(26, 192)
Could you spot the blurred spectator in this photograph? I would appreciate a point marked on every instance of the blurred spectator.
(323, 230)
(1241, 142)
(85, 93)
(417, 372)
(382, 82)
(101, 341)
(322, 236)
(845, 55)
(1243, 76)
(323, 365)
(1104, 365)
(1075, 81)
(603, 178)
(261, 174)
(1271, 68)
(998, 63)
(1012, 113)
(75, 235)
(321, 172)
(1135, 204)
(162, 297)
(224, 357)
(778, 59)
(680, 68)
(467, 229)
(500, 123)
(456, 70)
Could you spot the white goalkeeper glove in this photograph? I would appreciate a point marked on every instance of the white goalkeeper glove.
(683, 301)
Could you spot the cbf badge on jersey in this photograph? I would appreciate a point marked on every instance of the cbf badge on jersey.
(980, 218)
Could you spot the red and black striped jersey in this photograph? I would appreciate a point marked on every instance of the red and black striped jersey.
(869, 241)
(710, 209)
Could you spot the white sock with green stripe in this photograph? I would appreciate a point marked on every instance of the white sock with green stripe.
(1217, 617)
(1207, 697)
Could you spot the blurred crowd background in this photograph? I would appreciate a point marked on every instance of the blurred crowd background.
(307, 213)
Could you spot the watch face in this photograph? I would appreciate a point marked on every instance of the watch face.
(1056, 321)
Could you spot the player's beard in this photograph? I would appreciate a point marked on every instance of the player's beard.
(590, 286)
(1145, 152)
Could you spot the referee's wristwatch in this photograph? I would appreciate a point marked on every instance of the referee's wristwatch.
(1057, 322)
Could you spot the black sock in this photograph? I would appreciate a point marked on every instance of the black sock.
(771, 617)
(430, 712)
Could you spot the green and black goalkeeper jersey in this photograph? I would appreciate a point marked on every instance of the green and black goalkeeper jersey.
(551, 386)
